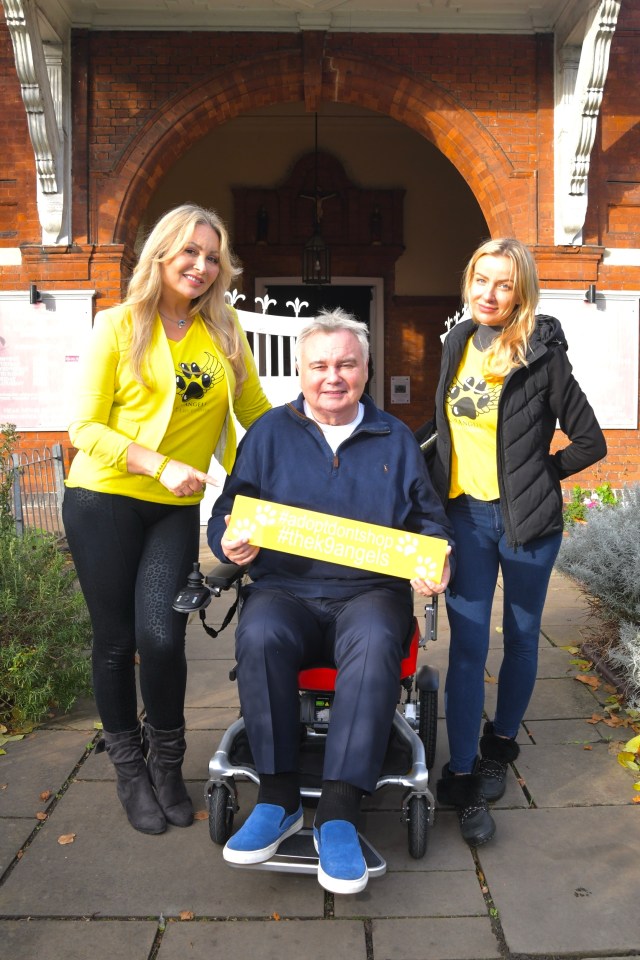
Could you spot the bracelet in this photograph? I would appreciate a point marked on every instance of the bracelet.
(161, 467)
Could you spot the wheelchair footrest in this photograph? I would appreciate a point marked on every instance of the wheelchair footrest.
(297, 854)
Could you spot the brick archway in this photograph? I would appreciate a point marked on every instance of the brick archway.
(119, 198)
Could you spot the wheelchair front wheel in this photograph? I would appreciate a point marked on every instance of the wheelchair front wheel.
(221, 813)
(418, 826)
(428, 724)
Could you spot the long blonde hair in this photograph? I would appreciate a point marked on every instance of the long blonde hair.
(509, 350)
(165, 241)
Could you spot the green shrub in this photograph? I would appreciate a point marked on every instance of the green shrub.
(44, 626)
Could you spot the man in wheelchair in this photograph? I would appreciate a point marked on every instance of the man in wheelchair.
(331, 450)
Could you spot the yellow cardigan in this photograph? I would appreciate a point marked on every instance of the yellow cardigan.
(114, 409)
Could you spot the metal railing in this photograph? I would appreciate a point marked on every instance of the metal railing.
(37, 489)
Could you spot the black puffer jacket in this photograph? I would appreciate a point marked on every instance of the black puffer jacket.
(532, 400)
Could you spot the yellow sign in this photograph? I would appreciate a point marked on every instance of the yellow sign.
(351, 543)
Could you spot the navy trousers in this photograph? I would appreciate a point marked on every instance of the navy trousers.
(278, 634)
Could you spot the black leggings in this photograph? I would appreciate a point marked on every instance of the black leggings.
(132, 557)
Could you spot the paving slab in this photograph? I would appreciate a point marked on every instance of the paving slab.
(216, 719)
(112, 870)
(580, 732)
(389, 835)
(267, 940)
(561, 775)
(552, 699)
(13, 835)
(83, 716)
(77, 939)
(41, 762)
(560, 700)
(398, 894)
(565, 881)
(208, 685)
(458, 938)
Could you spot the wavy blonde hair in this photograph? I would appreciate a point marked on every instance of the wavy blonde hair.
(166, 240)
(509, 350)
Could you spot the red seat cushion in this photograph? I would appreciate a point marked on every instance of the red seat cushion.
(323, 679)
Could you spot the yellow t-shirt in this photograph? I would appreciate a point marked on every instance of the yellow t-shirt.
(472, 412)
(199, 410)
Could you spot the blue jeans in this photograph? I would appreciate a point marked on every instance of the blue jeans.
(481, 551)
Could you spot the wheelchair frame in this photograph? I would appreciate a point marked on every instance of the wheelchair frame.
(414, 726)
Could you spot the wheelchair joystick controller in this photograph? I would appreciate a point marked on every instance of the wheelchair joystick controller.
(195, 595)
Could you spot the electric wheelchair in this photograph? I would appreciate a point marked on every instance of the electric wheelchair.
(410, 752)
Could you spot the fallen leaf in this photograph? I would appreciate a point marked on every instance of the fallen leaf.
(201, 815)
(187, 914)
(608, 688)
(19, 854)
(66, 838)
(615, 721)
(633, 745)
(45, 795)
(635, 799)
(595, 718)
(582, 664)
(490, 680)
(498, 629)
(40, 815)
(592, 682)
(587, 746)
(627, 759)
(275, 916)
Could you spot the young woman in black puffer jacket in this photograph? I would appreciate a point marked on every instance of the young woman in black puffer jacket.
(505, 382)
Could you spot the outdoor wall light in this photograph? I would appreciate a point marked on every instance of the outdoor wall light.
(34, 294)
(590, 293)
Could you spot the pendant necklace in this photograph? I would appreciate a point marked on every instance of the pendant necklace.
(181, 323)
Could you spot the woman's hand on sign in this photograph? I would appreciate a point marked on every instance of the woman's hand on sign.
(427, 588)
(239, 551)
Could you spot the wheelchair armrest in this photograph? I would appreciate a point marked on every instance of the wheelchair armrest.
(223, 576)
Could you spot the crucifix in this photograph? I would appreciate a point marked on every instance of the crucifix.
(318, 198)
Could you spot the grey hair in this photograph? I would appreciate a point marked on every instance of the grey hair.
(331, 321)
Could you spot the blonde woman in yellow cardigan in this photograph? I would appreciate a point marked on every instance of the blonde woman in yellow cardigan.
(161, 375)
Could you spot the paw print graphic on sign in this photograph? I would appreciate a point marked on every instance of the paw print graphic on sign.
(241, 528)
(407, 545)
(266, 516)
(426, 568)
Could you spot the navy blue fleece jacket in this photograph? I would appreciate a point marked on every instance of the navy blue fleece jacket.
(378, 476)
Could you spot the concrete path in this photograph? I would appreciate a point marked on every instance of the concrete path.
(559, 880)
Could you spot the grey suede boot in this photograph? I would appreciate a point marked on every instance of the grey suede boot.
(133, 786)
(496, 753)
(166, 749)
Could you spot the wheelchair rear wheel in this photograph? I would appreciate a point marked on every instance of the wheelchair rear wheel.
(221, 813)
(418, 826)
(428, 724)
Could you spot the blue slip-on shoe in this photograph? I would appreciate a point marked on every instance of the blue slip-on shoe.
(342, 868)
(261, 834)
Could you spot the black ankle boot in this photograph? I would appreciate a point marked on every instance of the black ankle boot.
(134, 787)
(464, 793)
(166, 749)
(496, 753)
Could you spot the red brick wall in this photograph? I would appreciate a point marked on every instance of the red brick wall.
(485, 101)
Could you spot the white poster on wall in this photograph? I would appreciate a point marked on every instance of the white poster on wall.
(604, 341)
(40, 349)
